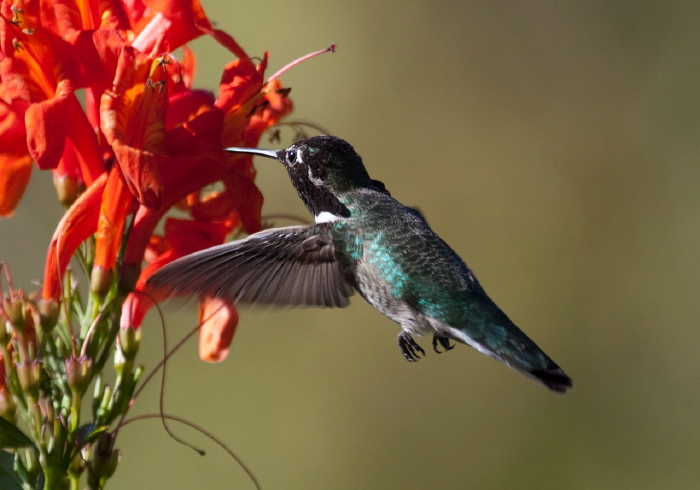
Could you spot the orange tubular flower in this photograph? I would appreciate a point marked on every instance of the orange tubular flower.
(133, 115)
(197, 127)
(79, 222)
(116, 202)
(145, 142)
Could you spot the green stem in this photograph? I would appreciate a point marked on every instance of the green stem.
(106, 352)
(74, 419)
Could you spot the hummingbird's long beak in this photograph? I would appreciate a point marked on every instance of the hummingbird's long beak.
(274, 154)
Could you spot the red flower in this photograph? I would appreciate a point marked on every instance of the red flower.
(39, 72)
(146, 141)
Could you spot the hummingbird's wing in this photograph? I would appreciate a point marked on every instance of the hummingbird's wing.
(289, 266)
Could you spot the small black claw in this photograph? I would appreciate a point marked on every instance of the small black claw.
(443, 341)
(409, 348)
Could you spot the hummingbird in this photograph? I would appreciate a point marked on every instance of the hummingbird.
(362, 240)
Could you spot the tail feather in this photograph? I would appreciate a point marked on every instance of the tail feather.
(553, 378)
(518, 351)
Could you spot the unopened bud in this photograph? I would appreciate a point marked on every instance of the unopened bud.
(48, 410)
(105, 458)
(77, 464)
(103, 405)
(101, 280)
(14, 308)
(5, 328)
(8, 407)
(78, 374)
(29, 374)
(121, 363)
(67, 189)
(129, 340)
(48, 314)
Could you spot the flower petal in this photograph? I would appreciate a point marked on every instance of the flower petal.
(46, 132)
(15, 163)
(141, 173)
(133, 121)
(15, 171)
(248, 200)
(218, 320)
(79, 222)
(114, 208)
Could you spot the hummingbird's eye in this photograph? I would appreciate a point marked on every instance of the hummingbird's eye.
(292, 156)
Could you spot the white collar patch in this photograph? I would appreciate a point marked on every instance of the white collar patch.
(326, 217)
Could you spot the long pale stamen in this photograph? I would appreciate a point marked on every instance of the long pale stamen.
(330, 48)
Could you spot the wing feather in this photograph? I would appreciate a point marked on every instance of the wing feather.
(289, 266)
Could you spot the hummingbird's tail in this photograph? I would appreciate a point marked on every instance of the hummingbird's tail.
(553, 377)
(488, 330)
(517, 351)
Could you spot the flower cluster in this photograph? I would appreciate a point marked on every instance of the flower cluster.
(92, 90)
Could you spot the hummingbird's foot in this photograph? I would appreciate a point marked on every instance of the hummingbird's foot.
(409, 348)
(443, 341)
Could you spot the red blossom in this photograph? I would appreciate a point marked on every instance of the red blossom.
(39, 72)
(145, 142)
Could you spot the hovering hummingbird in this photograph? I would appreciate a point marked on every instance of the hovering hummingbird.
(362, 240)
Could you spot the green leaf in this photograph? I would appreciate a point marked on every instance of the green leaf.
(9, 479)
(11, 436)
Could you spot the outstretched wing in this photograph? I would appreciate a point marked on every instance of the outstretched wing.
(282, 266)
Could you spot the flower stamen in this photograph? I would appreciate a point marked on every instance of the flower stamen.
(286, 67)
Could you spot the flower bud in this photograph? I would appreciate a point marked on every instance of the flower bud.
(48, 314)
(8, 407)
(121, 363)
(14, 308)
(78, 374)
(101, 280)
(48, 410)
(28, 333)
(5, 328)
(104, 407)
(67, 188)
(77, 464)
(29, 374)
(129, 340)
(105, 458)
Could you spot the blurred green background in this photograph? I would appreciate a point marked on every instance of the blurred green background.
(555, 146)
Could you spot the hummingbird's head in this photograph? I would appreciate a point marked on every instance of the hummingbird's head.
(321, 169)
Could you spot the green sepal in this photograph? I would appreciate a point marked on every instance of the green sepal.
(9, 479)
(11, 436)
